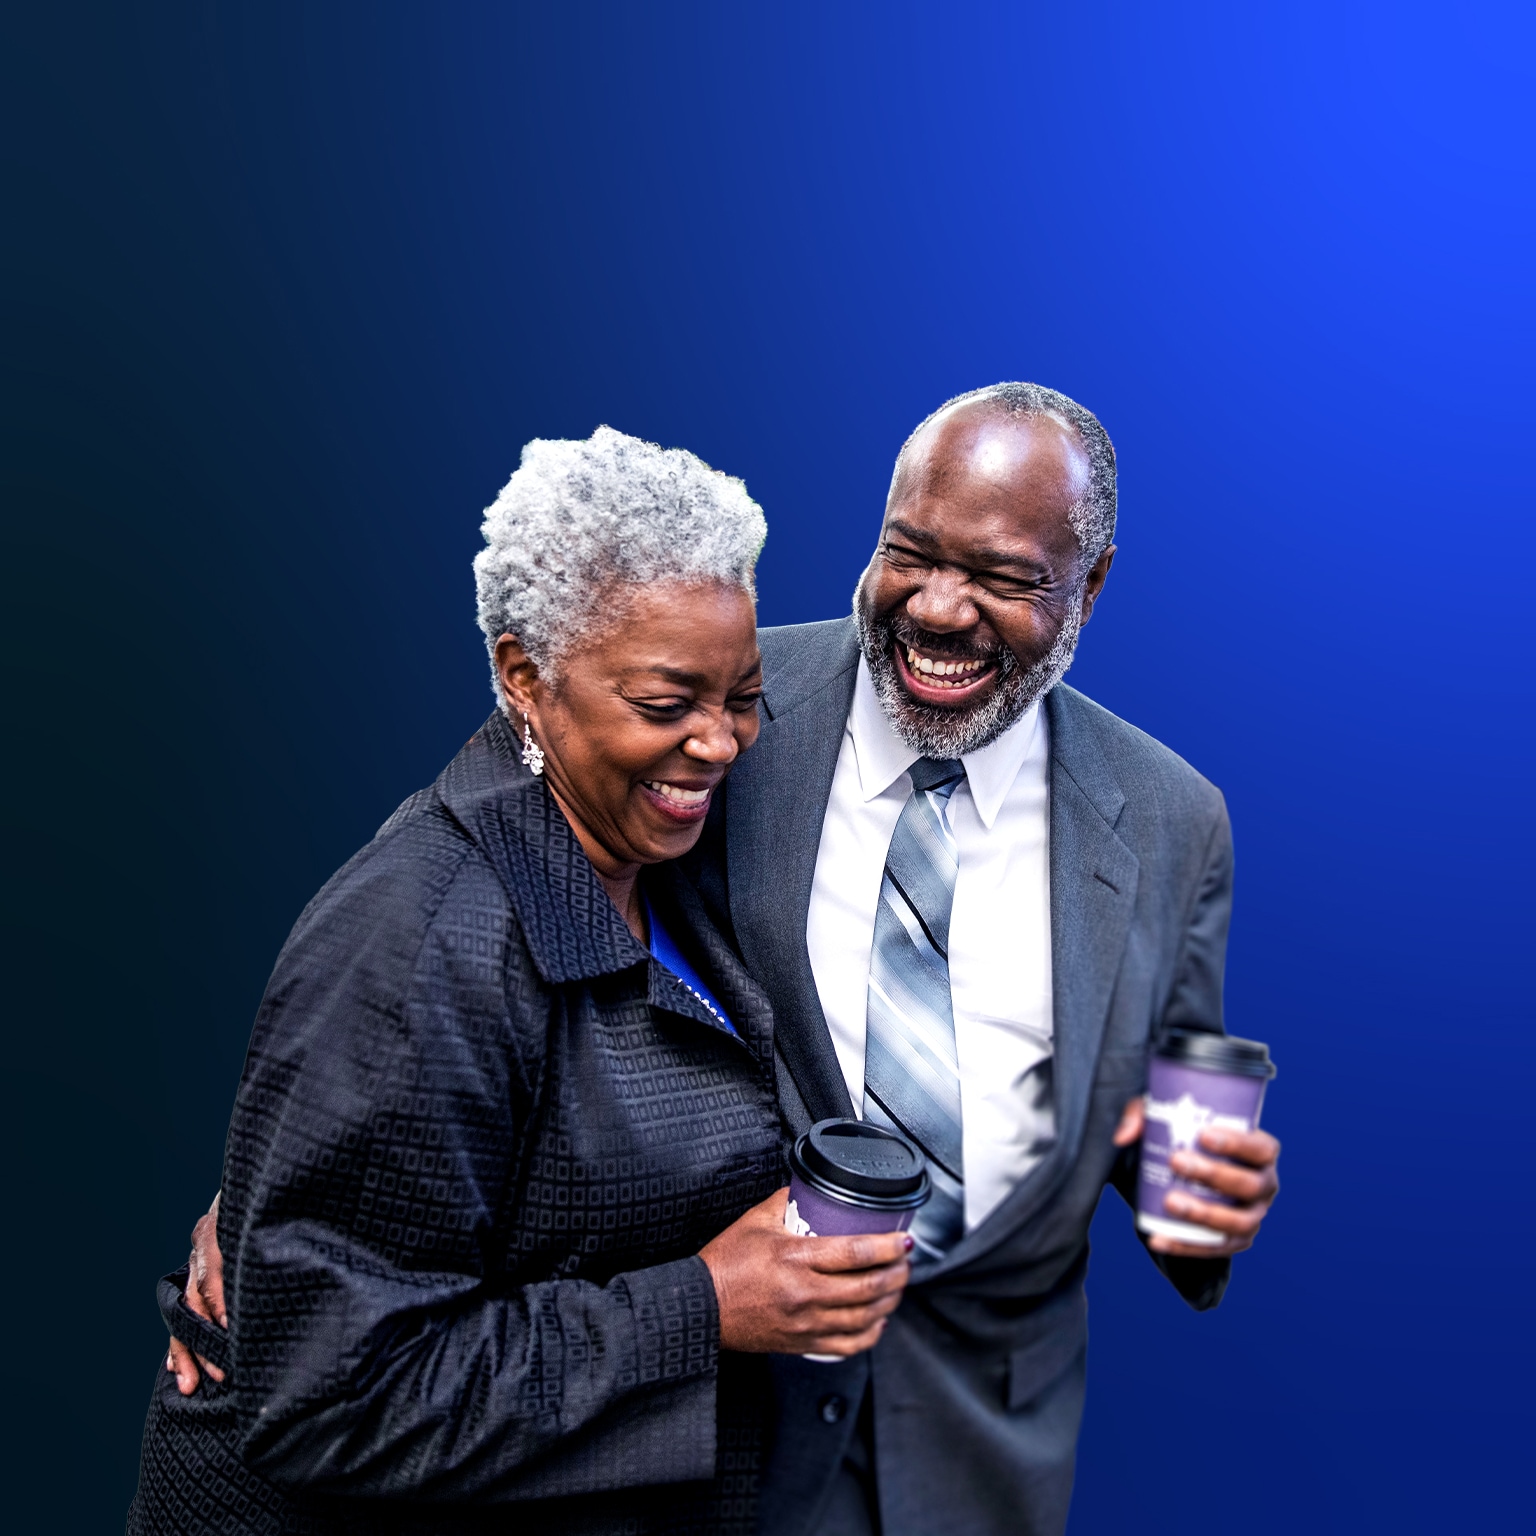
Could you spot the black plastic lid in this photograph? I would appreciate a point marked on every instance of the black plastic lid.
(1217, 1053)
(862, 1164)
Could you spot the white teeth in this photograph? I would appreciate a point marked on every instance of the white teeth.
(677, 794)
(937, 672)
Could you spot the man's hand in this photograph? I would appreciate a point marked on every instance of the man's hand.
(1249, 1180)
(803, 1295)
(205, 1296)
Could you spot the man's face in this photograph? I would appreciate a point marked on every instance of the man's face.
(970, 608)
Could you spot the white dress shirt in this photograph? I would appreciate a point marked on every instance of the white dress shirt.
(999, 930)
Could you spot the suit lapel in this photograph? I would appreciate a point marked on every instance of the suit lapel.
(776, 800)
(1093, 895)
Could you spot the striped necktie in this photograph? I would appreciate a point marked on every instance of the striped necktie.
(911, 1070)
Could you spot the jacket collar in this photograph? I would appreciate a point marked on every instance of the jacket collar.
(574, 932)
(679, 907)
(802, 661)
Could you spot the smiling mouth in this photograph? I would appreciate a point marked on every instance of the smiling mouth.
(678, 801)
(926, 674)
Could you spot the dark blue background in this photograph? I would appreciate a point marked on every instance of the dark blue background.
(287, 286)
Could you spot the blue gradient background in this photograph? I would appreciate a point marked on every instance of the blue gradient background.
(286, 287)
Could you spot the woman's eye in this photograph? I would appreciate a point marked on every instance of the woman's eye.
(670, 709)
(743, 703)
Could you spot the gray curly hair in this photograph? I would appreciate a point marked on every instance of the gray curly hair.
(578, 519)
(1093, 516)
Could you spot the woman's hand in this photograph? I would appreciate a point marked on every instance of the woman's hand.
(793, 1295)
(205, 1296)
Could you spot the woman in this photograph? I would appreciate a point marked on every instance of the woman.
(502, 1206)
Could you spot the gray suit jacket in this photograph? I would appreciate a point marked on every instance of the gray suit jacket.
(978, 1382)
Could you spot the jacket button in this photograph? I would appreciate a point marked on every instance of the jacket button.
(832, 1408)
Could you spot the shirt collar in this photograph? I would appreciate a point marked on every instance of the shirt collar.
(882, 756)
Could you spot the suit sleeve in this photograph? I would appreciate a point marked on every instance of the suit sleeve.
(1195, 1002)
(377, 1351)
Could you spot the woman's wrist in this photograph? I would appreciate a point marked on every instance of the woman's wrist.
(677, 1319)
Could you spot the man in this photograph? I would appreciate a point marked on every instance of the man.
(975, 899)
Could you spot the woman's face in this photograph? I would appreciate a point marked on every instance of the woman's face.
(644, 722)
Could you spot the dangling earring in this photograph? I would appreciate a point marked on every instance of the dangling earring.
(533, 753)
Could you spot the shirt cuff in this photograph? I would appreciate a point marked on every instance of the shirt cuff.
(676, 1320)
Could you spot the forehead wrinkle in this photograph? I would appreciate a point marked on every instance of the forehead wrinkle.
(680, 675)
(660, 669)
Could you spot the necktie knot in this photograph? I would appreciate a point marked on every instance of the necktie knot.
(935, 772)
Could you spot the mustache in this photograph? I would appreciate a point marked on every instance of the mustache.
(902, 631)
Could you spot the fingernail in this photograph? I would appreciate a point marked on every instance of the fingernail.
(909, 1242)
(1217, 1141)
(1178, 1204)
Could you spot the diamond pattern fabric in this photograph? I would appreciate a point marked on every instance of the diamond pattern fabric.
(479, 1141)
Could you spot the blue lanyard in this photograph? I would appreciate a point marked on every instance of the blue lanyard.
(664, 950)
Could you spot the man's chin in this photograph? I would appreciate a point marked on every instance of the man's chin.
(945, 726)
(935, 721)
(958, 712)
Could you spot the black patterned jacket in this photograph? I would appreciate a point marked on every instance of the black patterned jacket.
(479, 1141)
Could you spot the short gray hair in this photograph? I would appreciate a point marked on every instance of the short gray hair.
(580, 518)
(1092, 517)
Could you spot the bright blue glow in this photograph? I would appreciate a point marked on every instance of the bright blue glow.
(288, 285)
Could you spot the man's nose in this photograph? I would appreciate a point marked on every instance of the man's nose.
(943, 604)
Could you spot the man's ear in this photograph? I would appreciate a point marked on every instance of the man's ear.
(1095, 582)
(516, 673)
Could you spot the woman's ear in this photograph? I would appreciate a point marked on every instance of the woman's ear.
(516, 673)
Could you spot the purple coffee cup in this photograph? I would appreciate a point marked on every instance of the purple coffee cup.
(848, 1177)
(1195, 1081)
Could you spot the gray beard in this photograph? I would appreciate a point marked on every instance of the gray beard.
(938, 732)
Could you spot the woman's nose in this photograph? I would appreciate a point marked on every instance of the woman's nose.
(714, 743)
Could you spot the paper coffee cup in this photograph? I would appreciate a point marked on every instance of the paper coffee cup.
(1195, 1081)
(848, 1177)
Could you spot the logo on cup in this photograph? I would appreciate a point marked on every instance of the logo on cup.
(795, 1222)
(1186, 1117)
